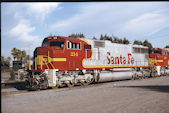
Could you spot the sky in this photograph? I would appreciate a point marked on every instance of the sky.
(25, 25)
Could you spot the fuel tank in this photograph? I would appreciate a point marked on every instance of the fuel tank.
(117, 74)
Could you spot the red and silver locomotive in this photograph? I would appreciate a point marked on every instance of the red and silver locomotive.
(71, 61)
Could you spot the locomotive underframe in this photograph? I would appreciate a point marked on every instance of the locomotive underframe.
(54, 78)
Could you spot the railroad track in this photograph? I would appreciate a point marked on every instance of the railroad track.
(26, 91)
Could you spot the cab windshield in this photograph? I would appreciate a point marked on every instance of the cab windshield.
(158, 52)
(59, 44)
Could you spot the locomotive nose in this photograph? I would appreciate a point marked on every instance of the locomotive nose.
(154, 56)
(42, 51)
(39, 54)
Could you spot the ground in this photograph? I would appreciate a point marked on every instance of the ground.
(131, 96)
(5, 76)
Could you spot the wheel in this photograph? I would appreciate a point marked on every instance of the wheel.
(70, 85)
(57, 86)
(91, 81)
(133, 77)
(27, 84)
(84, 83)
(44, 84)
(34, 86)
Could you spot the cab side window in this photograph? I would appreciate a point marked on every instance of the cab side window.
(87, 47)
(165, 53)
(71, 45)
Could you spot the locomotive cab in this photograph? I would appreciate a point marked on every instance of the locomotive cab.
(56, 58)
(61, 53)
(158, 57)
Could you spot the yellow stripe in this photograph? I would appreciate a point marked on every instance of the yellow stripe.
(50, 59)
(83, 40)
(35, 63)
(58, 59)
(40, 60)
(152, 61)
(158, 60)
(91, 51)
(115, 66)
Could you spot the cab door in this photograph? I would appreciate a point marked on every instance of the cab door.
(74, 54)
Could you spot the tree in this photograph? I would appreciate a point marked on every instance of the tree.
(137, 42)
(27, 58)
(9, 61)
(145, 43)
(2, 61)
(105, 37)
(115, 39)
(167, 46)
(101, 37)
(5, 63)
(14, 53)
(94, 38)
(120, 40)
(77, 35)
(23, 54)
(148, 44)
(126, 41)
(20, 55)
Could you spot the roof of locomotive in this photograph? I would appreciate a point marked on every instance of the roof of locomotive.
(78, 40)
(62, 37)
(109, 42)
(167, 49)
(139, 46)
(160, 49)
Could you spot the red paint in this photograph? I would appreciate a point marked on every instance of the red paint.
(108, 58)
(72, 62)
(162, 55)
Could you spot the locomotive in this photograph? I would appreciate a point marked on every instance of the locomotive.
(73, 61)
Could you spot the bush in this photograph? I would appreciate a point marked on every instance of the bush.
(12, 75)
(22, 76)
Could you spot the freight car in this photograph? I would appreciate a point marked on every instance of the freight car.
(72, 61)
